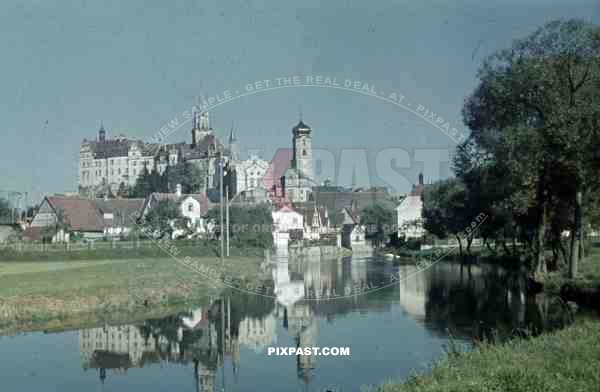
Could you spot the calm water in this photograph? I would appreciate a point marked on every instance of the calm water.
(390, 333)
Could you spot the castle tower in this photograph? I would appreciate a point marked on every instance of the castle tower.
(302, 143)
(201, 124)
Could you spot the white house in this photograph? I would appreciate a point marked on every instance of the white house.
(247, 175)
(286, 221)
(409, 213)
(316, 222)
(410, 222)
(192, 206)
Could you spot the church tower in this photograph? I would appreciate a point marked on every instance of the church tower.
(302, 142)
(102, 133)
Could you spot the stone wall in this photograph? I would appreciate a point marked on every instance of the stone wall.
(313, 251)
(362, 250)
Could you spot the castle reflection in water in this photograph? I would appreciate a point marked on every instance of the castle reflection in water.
(467, 301)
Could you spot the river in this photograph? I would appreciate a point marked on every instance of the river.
(390, 332)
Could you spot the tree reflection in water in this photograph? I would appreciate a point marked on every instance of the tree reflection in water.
(470, 302)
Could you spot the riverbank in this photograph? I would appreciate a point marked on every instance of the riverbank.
(566, 360)
(588, 275)
(33, 294)
(118, 250)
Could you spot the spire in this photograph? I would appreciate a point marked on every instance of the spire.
(232, 137)
(101, 132)
(234, 149)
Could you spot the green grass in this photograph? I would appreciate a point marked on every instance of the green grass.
(588, 274)
(35, 292)
(125, 251)
(567, 360)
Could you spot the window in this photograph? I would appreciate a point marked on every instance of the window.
(190, 207)
(304, 152)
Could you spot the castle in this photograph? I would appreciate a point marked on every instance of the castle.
(106, 164)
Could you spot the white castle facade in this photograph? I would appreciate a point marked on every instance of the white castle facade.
(106, 164)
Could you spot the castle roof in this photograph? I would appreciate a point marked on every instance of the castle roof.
(114, 148)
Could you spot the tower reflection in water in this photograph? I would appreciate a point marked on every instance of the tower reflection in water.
(467, 301)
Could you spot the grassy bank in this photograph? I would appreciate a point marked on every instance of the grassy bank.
(122, 250)
(588, 274)
(35, 293)
(566, 360)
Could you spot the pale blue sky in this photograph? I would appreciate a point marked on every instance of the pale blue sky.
(137, 65)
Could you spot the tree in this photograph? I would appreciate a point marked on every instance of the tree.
(379, 219)
(537, 106)
(123, 190)
(186, 174)
(5, 210)
(146, 184)
(250, 226)
(164, 218)
(445, 212)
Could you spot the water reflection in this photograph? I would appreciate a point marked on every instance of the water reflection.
(469, 302)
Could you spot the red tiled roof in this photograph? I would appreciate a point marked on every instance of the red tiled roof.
(80, 214)
(123, 210)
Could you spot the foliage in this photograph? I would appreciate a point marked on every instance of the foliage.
(165, 218)
(123, 190)
(5, 210)
(380, 222)
(249, 226)
(529, 163)
(186, 174)
(565, 360)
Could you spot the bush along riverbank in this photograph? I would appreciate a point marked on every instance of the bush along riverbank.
(584, 289)
(565, 360)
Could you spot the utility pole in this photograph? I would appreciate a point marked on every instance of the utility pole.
(221, 206)
(221, 191)
(227, 216)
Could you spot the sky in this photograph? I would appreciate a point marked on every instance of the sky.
(136, 66)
